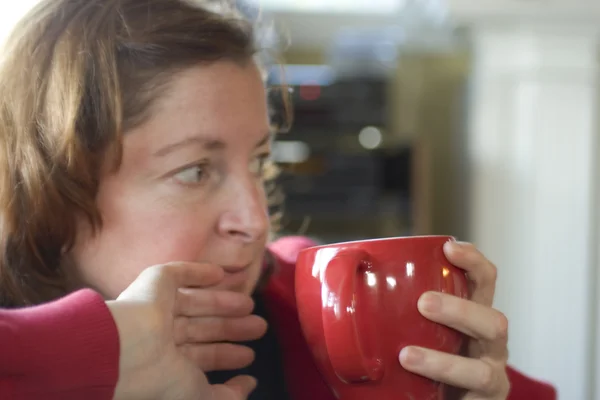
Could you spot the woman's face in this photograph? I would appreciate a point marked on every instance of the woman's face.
(189, 187)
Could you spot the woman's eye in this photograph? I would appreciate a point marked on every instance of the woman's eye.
(257, 166)
(192, 175)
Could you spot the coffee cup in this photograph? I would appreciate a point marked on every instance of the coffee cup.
(357, 304)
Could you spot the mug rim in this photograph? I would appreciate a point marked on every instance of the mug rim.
(382, 239)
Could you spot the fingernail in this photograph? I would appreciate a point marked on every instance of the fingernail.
(449, 246)
(454, 244)
(430, 302)
(411, 356)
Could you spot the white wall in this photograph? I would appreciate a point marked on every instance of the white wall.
(533, 160)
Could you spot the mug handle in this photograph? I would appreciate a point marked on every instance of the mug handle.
(342, 340)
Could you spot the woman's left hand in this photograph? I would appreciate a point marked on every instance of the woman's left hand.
(482, 373)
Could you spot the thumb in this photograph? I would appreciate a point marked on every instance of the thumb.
(238, 388)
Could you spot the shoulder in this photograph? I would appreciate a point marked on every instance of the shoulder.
(286, 249)
(281, 258)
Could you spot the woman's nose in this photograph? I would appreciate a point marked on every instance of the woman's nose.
(246, 216)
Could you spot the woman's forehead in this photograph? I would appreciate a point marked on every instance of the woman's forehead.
(224, 102)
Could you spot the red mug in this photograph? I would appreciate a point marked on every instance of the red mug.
(357, 303)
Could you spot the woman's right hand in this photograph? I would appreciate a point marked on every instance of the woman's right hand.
(173, 328)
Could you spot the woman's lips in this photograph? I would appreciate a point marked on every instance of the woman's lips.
(234, 269)
(236, 276)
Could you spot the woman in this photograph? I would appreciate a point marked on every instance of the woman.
(79, 346)
(136, 132)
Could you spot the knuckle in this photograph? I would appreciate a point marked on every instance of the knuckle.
(161, 272)
(487, 379)
(502, 327)
(475, 259)
(162, 269)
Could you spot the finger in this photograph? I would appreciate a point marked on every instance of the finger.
(466, 256)
(215, 303)
(475, 320)
(186, 274)
(218, 356)
(239, 387)
(207, 330)
(479, 269)
(468, 373)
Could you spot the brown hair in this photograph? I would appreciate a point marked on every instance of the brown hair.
(75, 75)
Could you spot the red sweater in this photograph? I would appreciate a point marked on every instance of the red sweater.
(81, 359)
(65, 350)
(303, 379)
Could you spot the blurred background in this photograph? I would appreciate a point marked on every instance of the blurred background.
(471, 118)
(475, 118)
